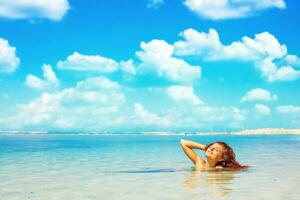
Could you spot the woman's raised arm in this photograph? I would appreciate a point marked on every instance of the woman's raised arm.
(188, 146)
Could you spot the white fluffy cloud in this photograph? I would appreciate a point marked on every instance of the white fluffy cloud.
(128, 67)
(9, 61)
(273, 73)
(183, 93)
(50, 80)
(34, 9)
(144, 117)
(94, 63)
(157, 58)
(38, 111)
(292, 60)
(208, 45)
(186, 111)
(226, 9)
(190, 112)
(288, 109)
(188, 116)
(258, 94)
(291, 114)
(264, 50)
(95, 90)
(262, 109)
(154, 3)
(263, 45)
(196, 43)
(91, 104)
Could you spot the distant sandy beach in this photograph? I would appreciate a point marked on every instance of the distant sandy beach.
(262, 131)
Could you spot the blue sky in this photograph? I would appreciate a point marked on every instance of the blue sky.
(138, 65)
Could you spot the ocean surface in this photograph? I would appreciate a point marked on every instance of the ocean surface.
(130, 167)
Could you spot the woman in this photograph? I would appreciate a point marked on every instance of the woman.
(218, 155)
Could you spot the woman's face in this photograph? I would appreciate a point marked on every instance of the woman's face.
(214, 152)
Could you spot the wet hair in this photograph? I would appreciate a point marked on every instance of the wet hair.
(228, 160)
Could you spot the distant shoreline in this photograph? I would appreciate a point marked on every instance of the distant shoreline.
(261, 131)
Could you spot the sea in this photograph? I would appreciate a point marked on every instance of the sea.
(60, 166)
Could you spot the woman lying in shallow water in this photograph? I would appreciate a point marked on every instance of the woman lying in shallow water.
(219, 155)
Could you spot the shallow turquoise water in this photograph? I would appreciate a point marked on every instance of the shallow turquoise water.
(143, 167)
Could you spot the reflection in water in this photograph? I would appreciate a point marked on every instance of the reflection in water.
(220, 182)
(152, 170)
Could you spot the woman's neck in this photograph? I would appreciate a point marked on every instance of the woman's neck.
(211, 163)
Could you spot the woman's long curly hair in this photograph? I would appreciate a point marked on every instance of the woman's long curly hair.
(228, 157)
